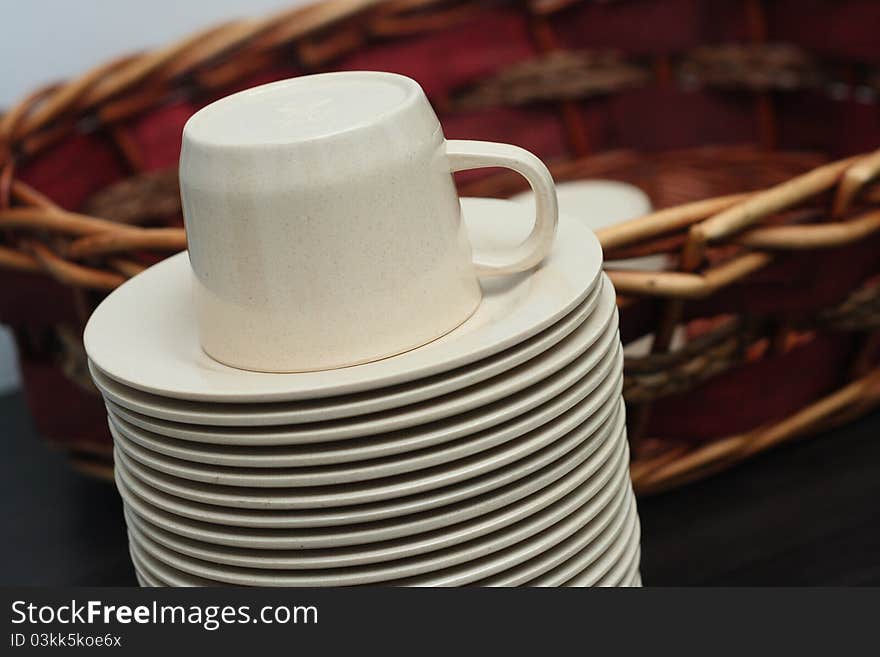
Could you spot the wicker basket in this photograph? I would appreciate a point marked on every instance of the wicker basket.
(777, 291)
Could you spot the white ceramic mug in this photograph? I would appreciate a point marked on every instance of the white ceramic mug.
(324, 226)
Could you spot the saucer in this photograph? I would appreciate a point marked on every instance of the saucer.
(530, 518)
(579, 556)
(617, 567)
(251, 491)
(587, 513)
(333, 408)
(412, 441)
(597, 203)
(144, 335)
(409, 430)
(403, 495)
(592, 545)
(620, 559)
(346, 462)
(601, 204)
(273, 529)
(493, 509)
(539, 377)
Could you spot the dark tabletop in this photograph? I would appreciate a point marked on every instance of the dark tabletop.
(806, 513)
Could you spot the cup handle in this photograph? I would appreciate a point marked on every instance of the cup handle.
(466, 154)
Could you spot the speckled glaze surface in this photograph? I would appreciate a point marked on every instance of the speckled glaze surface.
(587, 512)
(142, 447)
(161, 509)
(267, 495)
(473, 497)
(602, 203)
(535, 517)
(334, 408)
(536, 381)
(324, 227)
(144, 333)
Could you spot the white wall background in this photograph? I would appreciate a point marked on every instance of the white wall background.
(47, 40)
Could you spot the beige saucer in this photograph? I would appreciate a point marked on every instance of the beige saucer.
(153, 451)
(458, 523)
(624, 560)
(216, 504)
(371, 491)
(458, 565)
(479, 407)
(591, 562)
(488, 443)
(334, 408)
(231, 529)
(144, 335)
(537, 571)
(529, 516)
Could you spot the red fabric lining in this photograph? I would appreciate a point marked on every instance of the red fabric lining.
(450, 58)
(635, 27)
(762, 392)
(847, 30)
(74, 169)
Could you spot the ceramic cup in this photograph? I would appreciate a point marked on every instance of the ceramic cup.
(323, 223)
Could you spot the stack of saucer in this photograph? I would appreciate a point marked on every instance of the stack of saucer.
(495, 455)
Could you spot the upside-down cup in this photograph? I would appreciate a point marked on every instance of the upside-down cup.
(324, 226)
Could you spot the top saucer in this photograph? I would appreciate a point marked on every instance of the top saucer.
(144, 333)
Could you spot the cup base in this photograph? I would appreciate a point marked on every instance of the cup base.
(339, 366)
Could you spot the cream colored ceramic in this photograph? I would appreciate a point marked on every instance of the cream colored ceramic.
(576, 352)
(147, 573)
(406, 463)
(347, 451)
(372, 436)
(635, 579)
(625, 572)
(621, 560)
(592, 518)
(143, 572)
(457, 565)
(588, 521)
(459, 522)
(416, 445)
(622, 575)
(530, 516)
(152, 450)
(403, 429)
(591, 561)
(252, 491)
(603, 203)
(397, 430)
(290, 529)
(160, 572)
(324, 226)
(370, 502)
(535, 571)
(597, 203)
(325, 443)
(333, 408)
(620, 563)
(144, 333)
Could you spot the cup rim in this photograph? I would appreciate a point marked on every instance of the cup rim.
(413, 92)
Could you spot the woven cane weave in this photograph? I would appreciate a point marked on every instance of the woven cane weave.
(751, 125)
